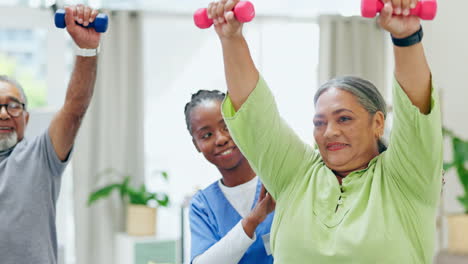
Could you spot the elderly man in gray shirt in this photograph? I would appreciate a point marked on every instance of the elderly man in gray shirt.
(30, 170)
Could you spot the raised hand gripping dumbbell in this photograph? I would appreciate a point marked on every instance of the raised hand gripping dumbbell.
(425, 9)
(99, 24)
(244, 12)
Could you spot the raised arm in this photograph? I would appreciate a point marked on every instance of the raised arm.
(272, 148)
(414, 155)
(411, 68)
(241, 74)
(66, 123)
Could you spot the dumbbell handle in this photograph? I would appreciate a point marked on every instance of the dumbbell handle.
(243, 11)
(425, 9)
(99, 24)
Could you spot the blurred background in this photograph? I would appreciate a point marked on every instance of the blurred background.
(153, 58)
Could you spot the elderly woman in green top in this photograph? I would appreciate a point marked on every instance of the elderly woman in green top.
(353, 200)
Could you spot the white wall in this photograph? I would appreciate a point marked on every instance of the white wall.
(446, 42)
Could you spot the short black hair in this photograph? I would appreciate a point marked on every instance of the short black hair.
(197, 98)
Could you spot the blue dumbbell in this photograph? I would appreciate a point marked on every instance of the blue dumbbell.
(99, 24)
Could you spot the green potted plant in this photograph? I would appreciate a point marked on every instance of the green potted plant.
(141, 204)
(458, 223)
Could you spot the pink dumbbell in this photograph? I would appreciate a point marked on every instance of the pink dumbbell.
(244, 12)
(425, 9)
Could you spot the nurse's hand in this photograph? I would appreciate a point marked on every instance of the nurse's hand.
(262, 209)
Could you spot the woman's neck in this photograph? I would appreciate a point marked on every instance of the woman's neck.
(340, 175)
(238, 175)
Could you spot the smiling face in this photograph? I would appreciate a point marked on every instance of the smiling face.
(211, 136)
(345, 132)
(11, 128)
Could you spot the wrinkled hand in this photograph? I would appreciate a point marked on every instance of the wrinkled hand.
(402, 24)
(265, 205)
(225, 23)
(85, 38)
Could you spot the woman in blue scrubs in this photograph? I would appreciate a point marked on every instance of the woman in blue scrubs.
(230, 220)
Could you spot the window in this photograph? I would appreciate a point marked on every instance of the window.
(19, 61)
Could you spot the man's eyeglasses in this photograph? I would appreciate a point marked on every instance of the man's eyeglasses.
(14, 109)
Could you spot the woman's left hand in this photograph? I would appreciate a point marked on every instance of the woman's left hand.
(400, 24)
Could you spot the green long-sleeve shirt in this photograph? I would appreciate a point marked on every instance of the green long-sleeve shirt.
(386, 212)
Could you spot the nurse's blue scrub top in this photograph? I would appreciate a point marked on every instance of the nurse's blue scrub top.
(212, 217)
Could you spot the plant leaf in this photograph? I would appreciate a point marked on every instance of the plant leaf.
(447, 132)
(460, 157)
(448, 165)
(461, 148)
(138, 196)
(142, 189)
(135, 196)
(103, 192)
(164, 201)
(123, 188)
(464, 201)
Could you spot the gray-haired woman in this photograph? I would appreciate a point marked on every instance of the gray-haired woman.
(353, 200)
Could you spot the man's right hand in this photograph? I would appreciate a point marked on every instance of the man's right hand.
(226, 25)
(265, 205)
(85, 38)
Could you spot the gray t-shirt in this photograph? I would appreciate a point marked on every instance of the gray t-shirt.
(30, 176)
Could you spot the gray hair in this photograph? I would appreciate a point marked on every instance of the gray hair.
(365, 92)
(4, 78)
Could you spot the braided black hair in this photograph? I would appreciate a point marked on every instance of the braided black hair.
(197, 98)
